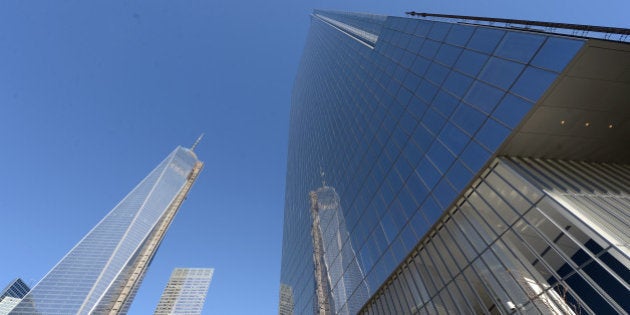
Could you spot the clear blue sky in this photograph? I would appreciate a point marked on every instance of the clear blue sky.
(93, 96)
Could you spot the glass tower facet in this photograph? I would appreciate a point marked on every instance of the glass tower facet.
(185, 292)
(101, 274)
(476, 169)
(12, 295)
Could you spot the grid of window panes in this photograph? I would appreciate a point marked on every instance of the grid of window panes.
(185, 292)
(514, 244)
(17, 288)
(400, 130)
(78, 282)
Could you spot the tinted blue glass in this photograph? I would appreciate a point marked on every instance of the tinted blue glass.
(512, 110)
(459, 175)
(448, 54)
(429, 49)
(437, 73)
(471, 62)
(533, 83)
(420, 66)
(426, 91)
(422, 137)
(431, 210)
(444, 194)
(474, 156)
(422, 27)
(407, 59)
(457, 84)
(501, 72)
(556, 53)
(417, 187)
(519, 46)
(483, 96)
(417, 107)
(440, 156)
(459, 34)
(415, 44)
(445, 103)
(454, 138)
(439, 30)
(411, 81)
(492, 134)
(485, 39)
(433, 121)
(468, 118)
(429, 174)
(403, 97)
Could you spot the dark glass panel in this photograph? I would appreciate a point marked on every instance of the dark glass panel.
(457, 83)
(501, 72)
(557, 52)
(483, 96)
(492, 134)
(485, 39)
(448, 54)
(512, 110)
(459, 34)
(533, 83)
(519, 46)
(471, 62)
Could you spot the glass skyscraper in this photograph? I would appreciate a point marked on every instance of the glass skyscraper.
(477, 166)
(185, 292)
(101, 274)
(12, 295)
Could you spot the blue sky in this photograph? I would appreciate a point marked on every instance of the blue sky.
(94, 95)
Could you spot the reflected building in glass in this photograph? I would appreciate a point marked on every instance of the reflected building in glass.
(12, 295)
(478, 165)
(102, 273)
(185, 292)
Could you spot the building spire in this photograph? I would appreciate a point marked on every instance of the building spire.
(196, 143)
(322, 174)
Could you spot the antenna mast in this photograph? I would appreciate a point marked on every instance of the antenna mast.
(196, 142)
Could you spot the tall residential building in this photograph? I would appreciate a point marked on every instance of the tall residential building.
(12, 295)
(185, 292)
(102, 273)
(479, 166)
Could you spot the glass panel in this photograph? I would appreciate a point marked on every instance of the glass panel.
(483, 96)
(533, 83)
(448, 54)
(557, 52)
(485, 39)
(459, 34)
(468, 118)
(470, 62)
(519, 46)
(501, 72)
(439, 30)
(437, 73)
(512, 110)
(457, 83)
(420, 66)
(492, 134)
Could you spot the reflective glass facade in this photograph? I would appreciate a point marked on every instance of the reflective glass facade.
(402, 118)
(107, 265)
(12, 295)
(185, 292)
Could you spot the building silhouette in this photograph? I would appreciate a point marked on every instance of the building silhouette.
(12, 295)
(185, 292)
(102, 273)
(481, 166)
